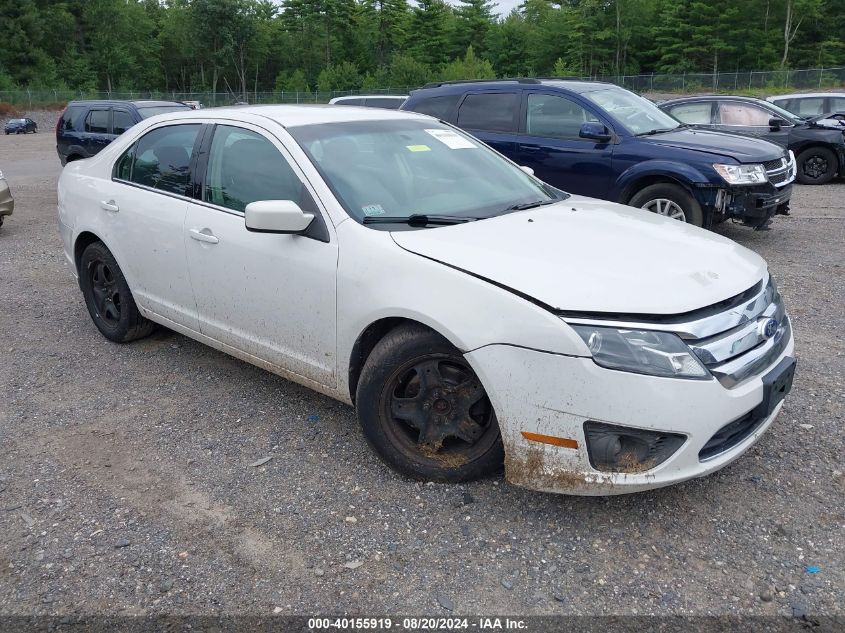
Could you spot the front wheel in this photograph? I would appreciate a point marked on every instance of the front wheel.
(108, 298)
(424, 411)
(816, 166)
(672, 201)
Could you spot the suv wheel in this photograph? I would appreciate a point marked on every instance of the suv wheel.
(816, 166)
(670, 200)
(424, 411)
(108, 298)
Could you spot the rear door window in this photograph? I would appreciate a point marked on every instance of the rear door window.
(97, 121)
(122, 121)
(837, 104)
(161, 159)
(491, 111)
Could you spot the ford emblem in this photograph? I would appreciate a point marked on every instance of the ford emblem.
(768, 328)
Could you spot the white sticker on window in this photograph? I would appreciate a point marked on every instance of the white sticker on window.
(372, 209)
(452, 139)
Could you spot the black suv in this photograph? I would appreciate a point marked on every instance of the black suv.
(86, 127)
(600, 140)
(819, 150)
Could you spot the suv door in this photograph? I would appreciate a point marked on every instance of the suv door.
(492, 118)
(145, 204)
(96, 129)
(272, 296)
(751, 119)
(550, 144)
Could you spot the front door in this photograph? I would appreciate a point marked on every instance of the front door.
(550, 144)
(270, 295)
(751, 119)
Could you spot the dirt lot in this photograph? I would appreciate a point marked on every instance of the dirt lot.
(126, 483)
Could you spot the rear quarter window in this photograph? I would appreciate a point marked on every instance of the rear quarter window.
(438, 107)
(70, 115)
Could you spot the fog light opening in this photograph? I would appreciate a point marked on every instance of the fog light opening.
(622, 449)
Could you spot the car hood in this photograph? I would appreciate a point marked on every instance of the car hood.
(745, 149)
(588, 255)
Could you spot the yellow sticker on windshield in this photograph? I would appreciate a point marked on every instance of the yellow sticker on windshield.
(418, 148)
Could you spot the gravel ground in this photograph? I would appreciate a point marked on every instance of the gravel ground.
(128, 484)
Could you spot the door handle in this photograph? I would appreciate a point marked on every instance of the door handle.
(201, 236)
(109, 205)
(530, 148)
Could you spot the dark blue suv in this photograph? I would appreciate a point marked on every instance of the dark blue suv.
(86, 127)
(599, 140)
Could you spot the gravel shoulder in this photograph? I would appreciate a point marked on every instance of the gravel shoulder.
(127, 483)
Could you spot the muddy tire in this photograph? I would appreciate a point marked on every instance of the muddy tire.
(108, 298)
(669, 200)
(424, 411)
(816, 166)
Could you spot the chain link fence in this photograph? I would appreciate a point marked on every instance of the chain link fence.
(758, 82)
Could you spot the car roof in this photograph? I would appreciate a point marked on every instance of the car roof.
(138, 103)
(712, 98)
(573, 85)
(298, 115)
(370, 97)
(800, 95)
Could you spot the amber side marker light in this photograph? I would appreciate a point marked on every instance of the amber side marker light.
(565, 442)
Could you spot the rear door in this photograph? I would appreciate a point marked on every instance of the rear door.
(492, 117)
(145, 204)
(96, 129)
(550, 144)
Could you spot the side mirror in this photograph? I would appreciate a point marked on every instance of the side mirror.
(776, 123)
(276, 216)
(527, 169)
(595, 131)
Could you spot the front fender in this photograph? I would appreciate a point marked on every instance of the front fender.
(685, 174)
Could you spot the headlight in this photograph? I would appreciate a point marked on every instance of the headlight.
(742, 174)
(641, 352)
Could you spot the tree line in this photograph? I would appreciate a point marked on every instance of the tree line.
(238, 46)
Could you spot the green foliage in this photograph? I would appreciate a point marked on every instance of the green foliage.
(241, 46)
(470, 67)
(342, 76)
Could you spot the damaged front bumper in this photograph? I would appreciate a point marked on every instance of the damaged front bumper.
(751, 205)
(545, 401)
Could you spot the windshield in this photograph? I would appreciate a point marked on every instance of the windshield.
(638, 115)
(149, 111)
(415, 167)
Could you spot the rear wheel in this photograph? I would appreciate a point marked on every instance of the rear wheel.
(108, 298)
(816, 166)
(424, 411)
(672, 201)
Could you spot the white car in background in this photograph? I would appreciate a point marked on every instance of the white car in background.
(811, 106)
(388, 102)
(472, 314)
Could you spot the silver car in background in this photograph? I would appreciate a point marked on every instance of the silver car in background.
(7, 202)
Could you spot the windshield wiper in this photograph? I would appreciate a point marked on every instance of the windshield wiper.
(418, 219)
(530, 205)
(660, 130)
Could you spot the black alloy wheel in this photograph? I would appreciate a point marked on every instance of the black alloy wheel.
(424, 410)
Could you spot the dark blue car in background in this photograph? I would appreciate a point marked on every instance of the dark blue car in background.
(86, 127)
(600, 140)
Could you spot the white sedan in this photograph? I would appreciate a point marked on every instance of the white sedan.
(473, 315)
